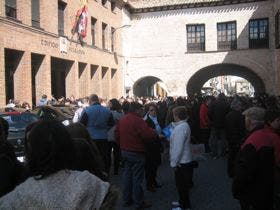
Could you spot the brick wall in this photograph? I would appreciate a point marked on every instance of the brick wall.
(21, 36)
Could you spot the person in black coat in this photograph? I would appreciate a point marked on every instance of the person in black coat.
(10, 168)
(254, 167)
(217, 112)
(153, 150)
(235, 132)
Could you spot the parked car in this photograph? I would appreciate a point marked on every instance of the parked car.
(59, 113)
(18, 121)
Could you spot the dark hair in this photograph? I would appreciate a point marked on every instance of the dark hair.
(49, 148)
(271, 115)
(93, 98)
(180, 112)
(88, 156)
(125, 106)
(115, 105)
(134, 106)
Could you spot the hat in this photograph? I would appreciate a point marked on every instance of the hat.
(255, 113)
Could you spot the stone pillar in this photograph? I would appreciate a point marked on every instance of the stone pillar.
(95, 80)
(83, 80)
(22, 79)
(105, 82)
(87, 70)
(2, 77)
(72, 79)
(43, 79)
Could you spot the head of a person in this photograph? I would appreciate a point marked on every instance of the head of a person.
(44, 96)
(152, 109)
(87, 154)
(135, 107)
(48, 147)
(93, 98)
(125, 106)
(272, 118)
(254, 117)
(207, 100)
(78, 130)
(114, 104)
(236, 104)
(180, 113)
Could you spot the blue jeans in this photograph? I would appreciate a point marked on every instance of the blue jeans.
(133, 176)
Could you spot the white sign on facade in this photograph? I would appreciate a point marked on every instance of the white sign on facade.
(63, 44)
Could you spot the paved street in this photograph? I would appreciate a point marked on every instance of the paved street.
(211, 191)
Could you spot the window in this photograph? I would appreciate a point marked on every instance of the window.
(113, 5)
(104, 2)
(35, 11)
(113, 39)
(196, 37)
(61, 8)
(93, 31)
(226, 36)
(277, 30)
(11, 8)
(258, 33)
(104, 34)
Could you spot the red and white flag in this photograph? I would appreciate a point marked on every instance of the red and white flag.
(80, 25)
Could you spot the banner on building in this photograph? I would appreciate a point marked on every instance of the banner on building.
(81, 19)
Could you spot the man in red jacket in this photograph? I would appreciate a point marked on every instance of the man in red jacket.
(131, 133)
(205, 122)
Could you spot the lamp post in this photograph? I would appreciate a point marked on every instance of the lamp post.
(116, 55)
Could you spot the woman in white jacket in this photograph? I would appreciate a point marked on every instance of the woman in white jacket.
(180, 155)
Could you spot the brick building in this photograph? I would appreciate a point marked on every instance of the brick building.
(134, 44)
(39, 55)
(184, 43)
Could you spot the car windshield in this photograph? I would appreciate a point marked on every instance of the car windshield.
(19, 121)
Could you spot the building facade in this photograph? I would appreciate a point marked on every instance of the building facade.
(39, 54)
(185, 43)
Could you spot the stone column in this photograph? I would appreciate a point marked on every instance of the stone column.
(83, 80)
(72, 79)
(22, 79)
(43, 79)
(95, 80)
(2, 77)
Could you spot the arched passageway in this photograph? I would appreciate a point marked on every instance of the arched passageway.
(149, 86)
(197, 81)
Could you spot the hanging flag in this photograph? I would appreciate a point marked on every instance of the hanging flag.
(80, 25)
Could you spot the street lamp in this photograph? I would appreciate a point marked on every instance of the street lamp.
(113, 35)
(115, 53)
(123, 26)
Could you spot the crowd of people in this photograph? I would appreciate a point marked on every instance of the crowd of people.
(131, 130)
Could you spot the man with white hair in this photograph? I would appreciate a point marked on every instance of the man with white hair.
(253, 174)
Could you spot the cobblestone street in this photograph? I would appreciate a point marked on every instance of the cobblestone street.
(211, 191)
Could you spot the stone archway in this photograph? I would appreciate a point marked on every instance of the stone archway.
(196, 82)
(145, 86)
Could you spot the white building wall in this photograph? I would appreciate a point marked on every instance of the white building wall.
(158, 45)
